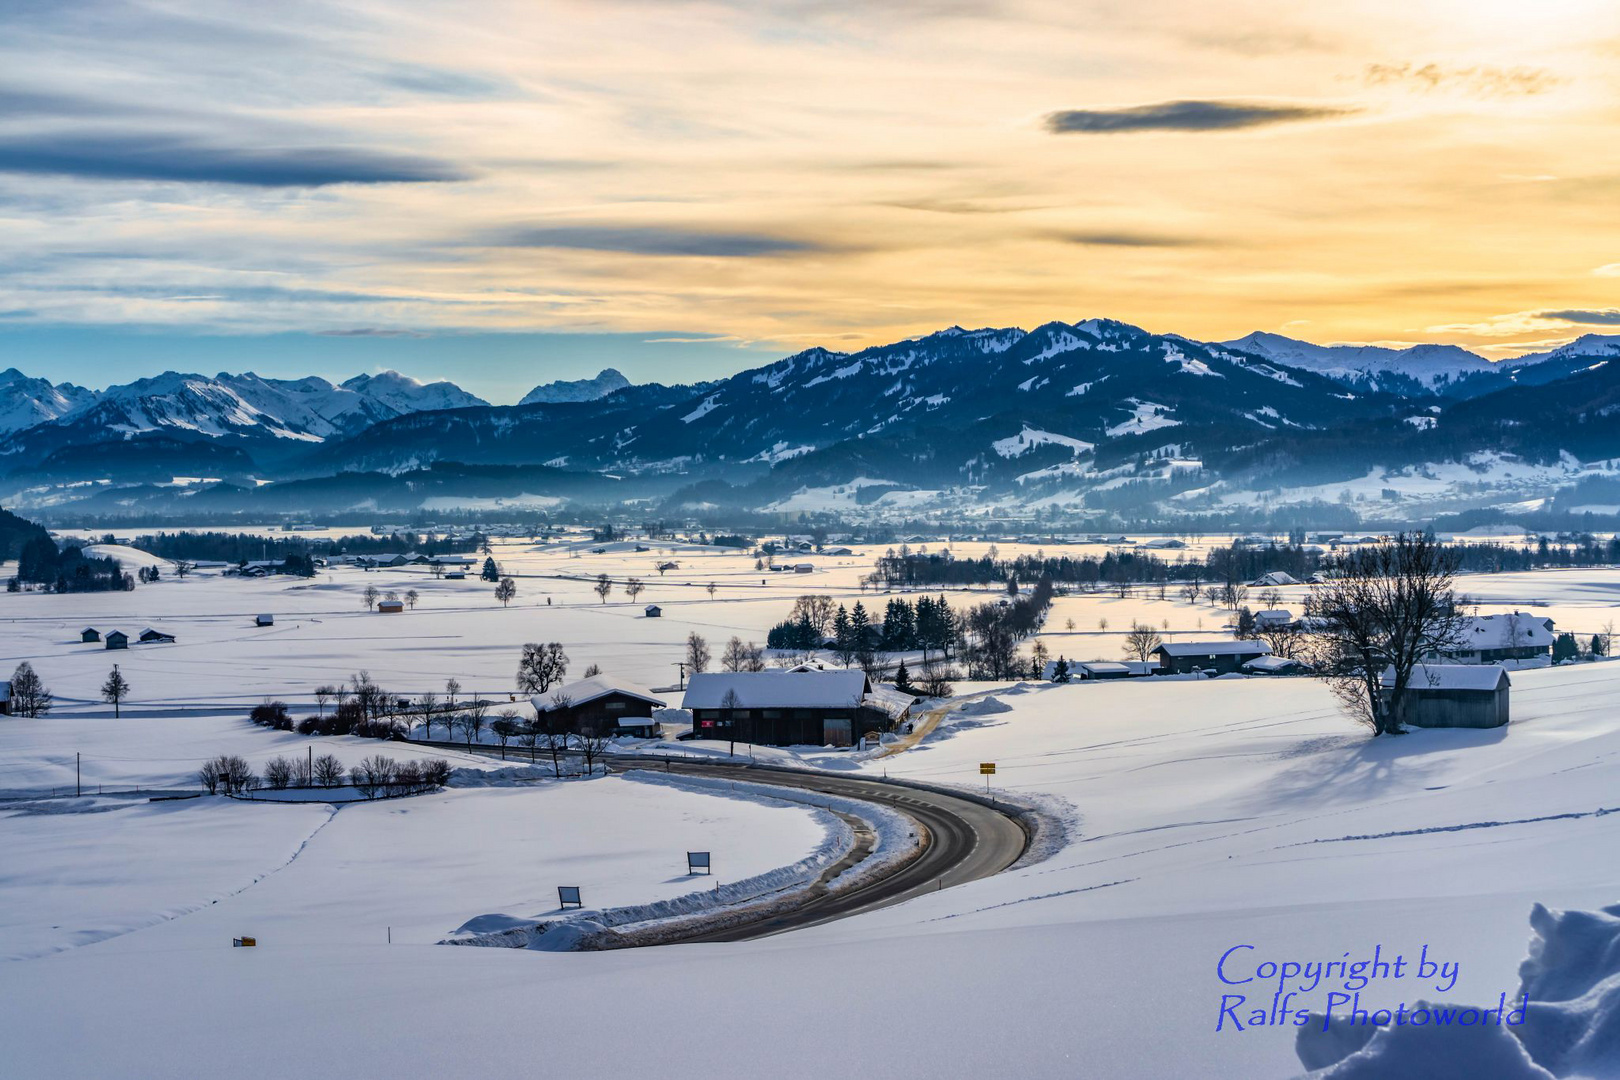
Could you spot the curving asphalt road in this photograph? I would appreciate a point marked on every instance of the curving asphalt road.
(965, 841)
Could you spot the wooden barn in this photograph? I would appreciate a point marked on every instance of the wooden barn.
(89, 634)
(117, 639)
(806, 707)
(1454, 695)
(653, 611)
(598, 703)
(150, 636)
(1220, 656)
(264, 620)
(390, 607)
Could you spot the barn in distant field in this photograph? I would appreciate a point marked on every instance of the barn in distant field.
(1220, 656)
(89, 634)
(116, 639)
(1454, 695)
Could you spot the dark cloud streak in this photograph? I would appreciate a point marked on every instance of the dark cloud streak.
(1196, 116)
(106, 155)
(1603, 317)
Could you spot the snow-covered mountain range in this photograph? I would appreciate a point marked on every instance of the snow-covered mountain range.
(222, 413)
(1093, 416)
(26, 401)
(606, 382)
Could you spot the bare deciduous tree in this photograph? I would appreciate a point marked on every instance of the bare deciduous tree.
(278, 773)
(591, 740)
(1191, 591)
(328, 771)
(1386, 607)
(541, 667)
(633, 588)
(505, 728)
(1141, 641)
(471, 720)
(603, 586)
(370, 596)
(323, 694)
(29, 696)
(411, 598)
(697, 653)
(506, 591)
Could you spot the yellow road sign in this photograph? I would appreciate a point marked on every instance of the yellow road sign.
(987, 767)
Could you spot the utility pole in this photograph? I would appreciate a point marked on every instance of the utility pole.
(682, 665)
(77, 790)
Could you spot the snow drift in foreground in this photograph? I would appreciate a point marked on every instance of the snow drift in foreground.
(1571, 1027)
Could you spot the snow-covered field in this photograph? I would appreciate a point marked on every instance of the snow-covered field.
(1202, 815)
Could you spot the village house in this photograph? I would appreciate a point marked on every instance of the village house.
(1220, 656)
(599, 703)
(1516, 638)
(1273, 619)
(1454, 695)
(806, 707)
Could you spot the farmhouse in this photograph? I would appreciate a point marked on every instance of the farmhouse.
(787, 708)
(1492, 639)
(1277, 617)
(1454, 695)
(89, 634)
(1222, 656)
(1276, 577)
(117, 639)
(150, 636)
(598, 703)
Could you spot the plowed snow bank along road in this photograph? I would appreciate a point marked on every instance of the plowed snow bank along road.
(966, 841)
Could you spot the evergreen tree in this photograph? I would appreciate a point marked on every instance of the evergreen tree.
(1060, 673)
(490, 572)
(1597, 644)
(1565, 648)
(902, 680)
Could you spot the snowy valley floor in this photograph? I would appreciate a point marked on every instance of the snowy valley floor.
(1207, 815)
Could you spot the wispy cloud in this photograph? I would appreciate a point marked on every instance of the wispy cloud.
(1188, 116)
(653, 240)
(1109, 238)
(1479, 80)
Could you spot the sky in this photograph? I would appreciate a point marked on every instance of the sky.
(507, 193)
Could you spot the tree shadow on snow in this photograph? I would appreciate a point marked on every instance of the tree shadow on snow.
(1355, 768)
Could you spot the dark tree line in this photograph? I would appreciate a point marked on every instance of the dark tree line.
(246, 547)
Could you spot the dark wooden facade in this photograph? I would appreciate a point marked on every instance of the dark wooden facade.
(815, 726)
(600, 714)
(1436, 707)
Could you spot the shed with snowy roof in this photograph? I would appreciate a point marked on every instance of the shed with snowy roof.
(1453, 695)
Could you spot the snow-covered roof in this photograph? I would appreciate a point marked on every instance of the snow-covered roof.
(1214, 648)
(777, 689)
(1281, 615)
(580, 691)
(1510, 631)
(1271, 663)
(1452, 677)
(887, 698)
(1101, 667)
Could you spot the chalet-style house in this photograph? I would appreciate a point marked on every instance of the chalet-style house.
(1220, 656)
(1516, 638)
(804, 707)
(600, 703)
(1454, 695)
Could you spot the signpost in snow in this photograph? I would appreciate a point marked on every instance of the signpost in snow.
(987, 769)
(569, 894)
(698, 861)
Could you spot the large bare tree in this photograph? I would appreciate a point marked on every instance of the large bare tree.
(1382, 609)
